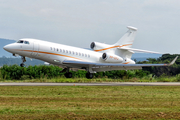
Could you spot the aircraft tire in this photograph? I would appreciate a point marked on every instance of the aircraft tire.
(22, 65)
(89, 75)
(68, 75)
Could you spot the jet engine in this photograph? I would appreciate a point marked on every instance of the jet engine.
(112, 58)
(98, 46)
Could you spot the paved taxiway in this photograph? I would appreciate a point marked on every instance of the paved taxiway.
(96, 84)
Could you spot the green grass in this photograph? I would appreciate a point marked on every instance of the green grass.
(85, 80)
(89, 102)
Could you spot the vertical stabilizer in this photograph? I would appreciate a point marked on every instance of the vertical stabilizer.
(128, 39)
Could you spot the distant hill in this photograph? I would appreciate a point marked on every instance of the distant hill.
(4, 42)
(144, 56)
(18, 61)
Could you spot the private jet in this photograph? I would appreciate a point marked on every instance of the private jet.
(101, 56)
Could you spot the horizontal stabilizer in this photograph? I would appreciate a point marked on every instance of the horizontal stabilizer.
(138, 50)
(132, 28)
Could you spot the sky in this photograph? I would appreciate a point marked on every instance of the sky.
(80, 22)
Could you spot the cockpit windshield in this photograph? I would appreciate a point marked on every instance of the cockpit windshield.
(22, 41)
(26, 42)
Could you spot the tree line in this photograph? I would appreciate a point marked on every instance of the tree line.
(163, 70)
(15, 72)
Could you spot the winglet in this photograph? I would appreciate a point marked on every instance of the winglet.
(173, 61)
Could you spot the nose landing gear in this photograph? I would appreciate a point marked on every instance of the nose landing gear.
(23, 60)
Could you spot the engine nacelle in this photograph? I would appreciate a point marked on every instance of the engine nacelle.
(111, 58)
(98, 46)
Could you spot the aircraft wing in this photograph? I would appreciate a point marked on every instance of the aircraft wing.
(131, 66)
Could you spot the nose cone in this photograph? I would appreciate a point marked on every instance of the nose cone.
(8, 48)
(5, 47)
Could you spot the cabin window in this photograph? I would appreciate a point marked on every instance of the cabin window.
(63, 51)
(85, 55)
(60, 50)
(66, 51)
(69, 52)
(54, 49)
(20, 41)
(88, 55)
(57, 49)
(73, 52)
(79, 54)
(51, 48)
(76, 53)
(26, 42)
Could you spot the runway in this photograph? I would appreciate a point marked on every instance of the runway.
(96, 84)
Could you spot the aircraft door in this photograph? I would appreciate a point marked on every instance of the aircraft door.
(35, 49)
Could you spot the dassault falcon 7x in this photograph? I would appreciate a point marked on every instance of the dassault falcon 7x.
(102, 57)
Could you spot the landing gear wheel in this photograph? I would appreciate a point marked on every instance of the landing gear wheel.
(89, 75)
(68, 75)
(23, 60)
(22, 64)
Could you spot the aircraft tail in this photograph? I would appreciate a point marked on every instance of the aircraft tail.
(128, 38)
(125, 43)
(124, 50)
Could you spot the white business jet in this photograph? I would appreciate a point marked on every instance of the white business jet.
(102, 57)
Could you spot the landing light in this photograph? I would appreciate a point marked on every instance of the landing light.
(56, 61)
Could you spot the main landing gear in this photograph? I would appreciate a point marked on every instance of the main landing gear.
(23, 60)
(69, 74)
(89, 75)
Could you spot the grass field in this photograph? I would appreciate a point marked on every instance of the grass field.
(85, 80)
(89, 102)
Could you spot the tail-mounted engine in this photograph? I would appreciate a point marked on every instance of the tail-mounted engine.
(96, 46)
(111, 58)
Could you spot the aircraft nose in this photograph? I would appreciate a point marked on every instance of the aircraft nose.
(7, 48)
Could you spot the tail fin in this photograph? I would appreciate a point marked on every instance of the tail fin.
(128, 39)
